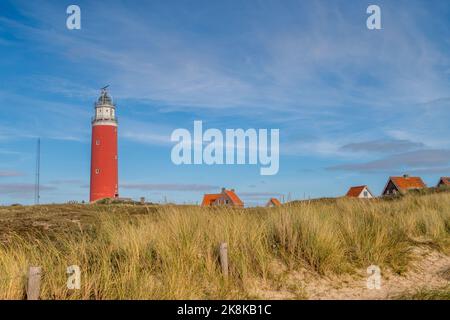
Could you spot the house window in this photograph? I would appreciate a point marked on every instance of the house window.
(366, 194)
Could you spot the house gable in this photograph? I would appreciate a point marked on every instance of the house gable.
(444, 181)
(359, 192)
(366, 193)
(210, 199)
(273, 202)
(232, 196)
(390, 189)
(225, 198)
(403, 184)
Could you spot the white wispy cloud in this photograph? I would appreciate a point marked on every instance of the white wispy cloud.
(424, 160)
(299, 61)
(24, 189)
(318, 72)
(10, 173)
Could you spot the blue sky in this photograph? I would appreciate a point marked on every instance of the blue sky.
(353, 105)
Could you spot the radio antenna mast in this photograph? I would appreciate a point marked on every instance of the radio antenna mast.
(38, 169)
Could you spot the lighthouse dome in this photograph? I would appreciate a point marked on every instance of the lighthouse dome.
(105, 110)
(105, 99)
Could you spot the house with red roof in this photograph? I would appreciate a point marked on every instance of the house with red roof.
(362, 192)
(273, 202)
(444, 182)
(396, 185)
(225, 198)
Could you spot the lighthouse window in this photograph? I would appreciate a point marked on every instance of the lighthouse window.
(97, 142)
(97, 171)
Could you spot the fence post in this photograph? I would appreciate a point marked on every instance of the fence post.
(34, 283)
(223, 254)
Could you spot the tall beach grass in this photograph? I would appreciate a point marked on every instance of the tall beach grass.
(171, 252)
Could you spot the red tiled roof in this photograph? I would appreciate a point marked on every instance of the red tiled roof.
(208, 199)
(234, 198)
(355, 191)
(445, 180)
(405, 183)
(274, 201)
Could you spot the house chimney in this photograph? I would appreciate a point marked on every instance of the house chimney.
(232, 190)
(406, 176)
(223, 189)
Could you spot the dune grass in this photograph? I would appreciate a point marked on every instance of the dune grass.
(171, 252)
(427, 294)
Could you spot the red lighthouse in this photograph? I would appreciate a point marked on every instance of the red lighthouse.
(104, 176)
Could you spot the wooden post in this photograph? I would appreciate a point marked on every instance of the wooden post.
(34, 283)
(223, 254)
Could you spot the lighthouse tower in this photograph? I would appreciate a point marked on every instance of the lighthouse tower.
(104, 176)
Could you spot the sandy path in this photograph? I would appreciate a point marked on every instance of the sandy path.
(430, 270)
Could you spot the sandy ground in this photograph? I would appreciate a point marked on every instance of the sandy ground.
(430, 270)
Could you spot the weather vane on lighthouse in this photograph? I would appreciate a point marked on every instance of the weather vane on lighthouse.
(104, 168)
